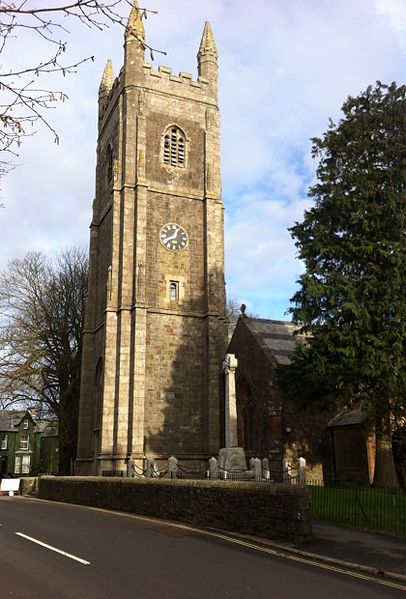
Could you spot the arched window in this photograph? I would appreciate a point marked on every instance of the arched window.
(174, 147)
(174, 291)
(245, 416)
(110, 163)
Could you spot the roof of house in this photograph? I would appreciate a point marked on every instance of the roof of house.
(349, 418)
(274, 336)
(10, 419)
(48, 428)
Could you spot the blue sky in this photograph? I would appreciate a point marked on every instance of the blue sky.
(285, 68)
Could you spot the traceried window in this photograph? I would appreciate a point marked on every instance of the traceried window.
(245, 416)
(174, 147)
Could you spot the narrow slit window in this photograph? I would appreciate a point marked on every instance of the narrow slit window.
(174, 147)
(174, 291)
(110, 163)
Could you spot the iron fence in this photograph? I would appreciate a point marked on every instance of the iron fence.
(372, 509)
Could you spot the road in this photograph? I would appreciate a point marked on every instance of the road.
(119, 556)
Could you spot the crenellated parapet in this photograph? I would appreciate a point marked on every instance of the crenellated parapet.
(165, 81)
(137, 74)
(162, 81)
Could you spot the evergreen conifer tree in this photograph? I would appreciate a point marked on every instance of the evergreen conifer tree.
(352, 296)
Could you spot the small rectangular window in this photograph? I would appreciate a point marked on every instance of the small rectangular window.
(25, 423)
(24, 442)
(17, 465)
(4, 442)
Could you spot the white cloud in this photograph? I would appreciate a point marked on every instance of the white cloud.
(285, 68)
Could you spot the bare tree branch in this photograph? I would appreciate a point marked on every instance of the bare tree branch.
(41, 320)
(24, 104)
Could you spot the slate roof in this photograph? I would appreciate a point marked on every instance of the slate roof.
(348, 418)
(275, 337)
(48, 428)
(10, 419)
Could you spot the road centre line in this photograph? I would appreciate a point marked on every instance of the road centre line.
(74, 557)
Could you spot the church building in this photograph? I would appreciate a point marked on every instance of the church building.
(155, 329)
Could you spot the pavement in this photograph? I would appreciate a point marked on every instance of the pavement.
(381, 552)
(375, 554)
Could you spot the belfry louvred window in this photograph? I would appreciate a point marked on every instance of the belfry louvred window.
(174, 147)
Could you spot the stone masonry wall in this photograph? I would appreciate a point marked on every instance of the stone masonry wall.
(281, 429)
(161, 356)
(254, 367)
(272, 511)
(174, 398)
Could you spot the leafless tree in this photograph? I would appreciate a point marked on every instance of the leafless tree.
(41, 322)
(25, 99)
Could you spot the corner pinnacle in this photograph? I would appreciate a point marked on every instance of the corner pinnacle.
(108, 78)
(135, 26)
(208, 44)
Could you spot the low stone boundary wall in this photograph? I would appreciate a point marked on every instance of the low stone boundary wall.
(275, 511)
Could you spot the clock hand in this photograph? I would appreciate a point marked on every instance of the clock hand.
(172, 236)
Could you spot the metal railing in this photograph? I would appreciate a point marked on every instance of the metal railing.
(372, 509)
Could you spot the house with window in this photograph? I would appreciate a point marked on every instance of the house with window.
(28, 444)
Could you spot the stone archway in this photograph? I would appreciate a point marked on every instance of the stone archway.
(245, 415)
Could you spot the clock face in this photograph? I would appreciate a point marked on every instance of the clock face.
(173, 237)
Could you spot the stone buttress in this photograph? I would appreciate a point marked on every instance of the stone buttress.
(155, 333)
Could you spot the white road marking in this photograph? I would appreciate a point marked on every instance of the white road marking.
(74, 557)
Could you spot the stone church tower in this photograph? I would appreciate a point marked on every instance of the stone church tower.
(155, 333)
